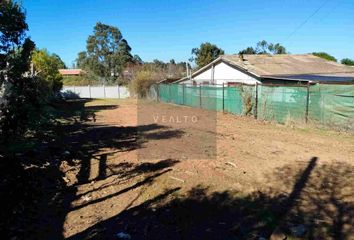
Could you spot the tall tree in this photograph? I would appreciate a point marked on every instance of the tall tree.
(347, 61)
(248, 50)
(106, 54)
(206, 53)
(325, 55)
(263, 47)
(137, 59)
(19, 104)
(59, 61)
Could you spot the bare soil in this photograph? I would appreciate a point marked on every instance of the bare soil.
(162, 163)
(161, 171)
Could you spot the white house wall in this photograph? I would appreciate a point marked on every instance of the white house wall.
(203, 76)
(223, 73)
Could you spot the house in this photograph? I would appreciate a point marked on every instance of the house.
(71, 72)
(274, 69)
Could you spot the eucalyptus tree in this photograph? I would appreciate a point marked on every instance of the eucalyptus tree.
(107, 53)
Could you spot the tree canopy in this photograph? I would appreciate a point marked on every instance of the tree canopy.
(107, 52)
(347, 61)
(206, 53)
(46, 66)
(19, 92)
(263, 47)
(325, 55)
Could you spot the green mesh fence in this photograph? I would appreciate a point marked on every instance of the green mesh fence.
(176, 93)
(211, 98)
(163, 92)
(332, 105)
(192, 96)
(325, 103)
(281, 103)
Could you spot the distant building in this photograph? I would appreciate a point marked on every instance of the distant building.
(283, 69)
(71, 72)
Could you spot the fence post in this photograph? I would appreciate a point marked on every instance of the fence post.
(223, 97)
(89, 87)
(307, 102)
(169, 92)
(256, 103)
(104, 91)
(183, 86)
(200, 95)
(118, 91)
(158, 92)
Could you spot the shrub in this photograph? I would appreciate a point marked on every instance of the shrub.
(247, 96)
(142, 82)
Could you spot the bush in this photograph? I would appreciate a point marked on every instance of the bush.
(347, 61)
(80, 80)
(142, 82)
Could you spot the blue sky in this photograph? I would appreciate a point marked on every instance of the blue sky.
(170, 29)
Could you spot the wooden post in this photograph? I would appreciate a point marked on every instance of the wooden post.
(89, 87)
(104, 91)
(223, 97)
(307, 102)
(256, 103)
(200, 95)
(118, 92)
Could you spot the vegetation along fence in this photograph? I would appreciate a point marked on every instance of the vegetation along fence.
(327, 104)
(95, 91)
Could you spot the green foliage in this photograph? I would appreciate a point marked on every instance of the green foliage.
(107, 52)
(263, 47)
(12, 25)
(347, 61)
(59, 61)
(206, 53)
(20, 103)
(151, 72)
(142, 82)
(47, 68)
(249, 50)
(325, 55)
(137, 59)
(82, 80)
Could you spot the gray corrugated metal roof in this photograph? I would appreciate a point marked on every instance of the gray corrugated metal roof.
(312, 77)
(288, 64)
(305, 66)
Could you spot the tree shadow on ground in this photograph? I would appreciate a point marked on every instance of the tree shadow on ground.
(37, 198)
(36, 192)
(320, 200)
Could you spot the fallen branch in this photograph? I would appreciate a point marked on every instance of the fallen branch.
(177, 179)
(231, 163)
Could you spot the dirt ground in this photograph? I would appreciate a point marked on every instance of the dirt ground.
(161, 171)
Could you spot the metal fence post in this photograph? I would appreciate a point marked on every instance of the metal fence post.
(256, 103)
(183, 86)
(307, 102)
(169, 92)
(223, 97)
(158, 92)
(200, 95)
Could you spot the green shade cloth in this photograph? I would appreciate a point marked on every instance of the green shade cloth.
(329, 104)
